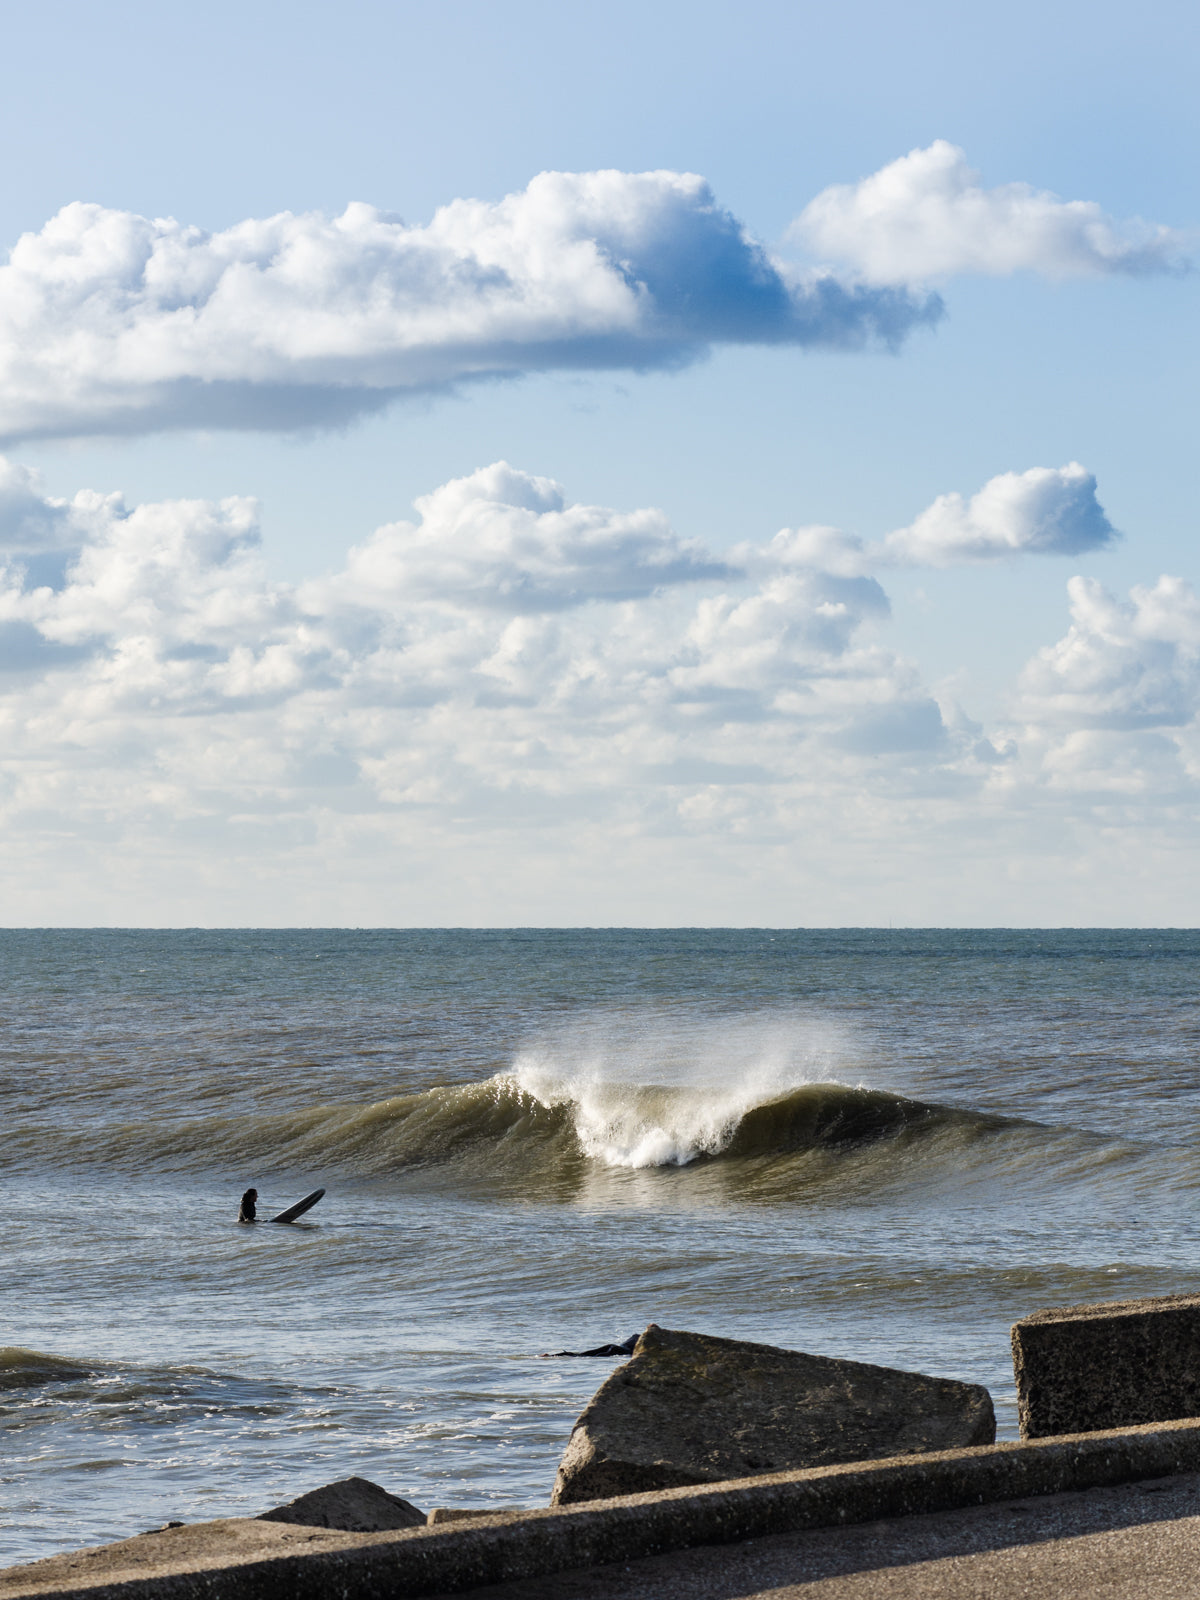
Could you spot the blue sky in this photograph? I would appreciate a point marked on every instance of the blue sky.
(622, 699)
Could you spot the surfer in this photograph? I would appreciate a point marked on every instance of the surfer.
(248, 1210)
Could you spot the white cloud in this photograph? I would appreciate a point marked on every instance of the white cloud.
(817, 546)
(1045, 511)
(503, 540)
(927, 216)
(29, 520)
(111, 322)
(436, 667)
(149, 606)
(1121, 665)
(1108, 720)
(530, 691)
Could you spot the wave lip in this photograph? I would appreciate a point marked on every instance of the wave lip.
(641, 1125)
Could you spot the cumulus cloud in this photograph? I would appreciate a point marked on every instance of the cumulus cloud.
(818, 546)
(113, 322)
(144, 596)
(447, 636)
(1122, 665)
(438, 667)
(1108, 717)
(509, 664)
(1045, 511)
(506, 541)
(928, 216)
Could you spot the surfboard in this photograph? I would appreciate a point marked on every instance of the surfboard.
(299, 1208)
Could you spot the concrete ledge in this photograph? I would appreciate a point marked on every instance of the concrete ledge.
(196, 1562)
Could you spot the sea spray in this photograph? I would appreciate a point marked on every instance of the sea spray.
(656, 1088)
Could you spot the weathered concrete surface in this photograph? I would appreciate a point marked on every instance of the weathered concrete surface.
(353, 1504)
(443, 1514)
(689, 1408)
(154, 1563)
(251, 1560)
(1136, 1542)
(1111, 1365)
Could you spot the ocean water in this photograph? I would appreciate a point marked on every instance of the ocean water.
(880, 1145)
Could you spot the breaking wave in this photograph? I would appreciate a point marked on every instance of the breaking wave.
(520, 1120)
(760, 1100)
(640, 1125)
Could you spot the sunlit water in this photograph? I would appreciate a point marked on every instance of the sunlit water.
(886, 1146)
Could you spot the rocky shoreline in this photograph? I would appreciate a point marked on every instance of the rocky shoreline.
(698, 1440)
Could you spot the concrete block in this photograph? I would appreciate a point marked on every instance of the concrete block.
(690, 1409)
(1118, 1364)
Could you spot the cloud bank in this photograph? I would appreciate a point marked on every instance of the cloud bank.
(510, 659)
(454, 622)
(517, 689)
(115, 323)
(927, 216)
(112, 322)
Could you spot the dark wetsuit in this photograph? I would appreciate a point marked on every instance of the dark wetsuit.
(248, 1210)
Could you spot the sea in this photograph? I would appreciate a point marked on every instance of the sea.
(886, 1145)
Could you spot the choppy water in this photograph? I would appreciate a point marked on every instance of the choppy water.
(879, 1145)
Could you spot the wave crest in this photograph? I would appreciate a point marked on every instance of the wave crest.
(524, 1120)
(28, 1369)
(616, 1091)
(661, 1125)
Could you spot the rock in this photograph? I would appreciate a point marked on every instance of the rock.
(1111, 1365)
(693, 1409)
(353, 1505)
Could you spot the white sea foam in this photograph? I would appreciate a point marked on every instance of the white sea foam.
(661, 1089)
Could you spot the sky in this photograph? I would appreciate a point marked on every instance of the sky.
(477, 465)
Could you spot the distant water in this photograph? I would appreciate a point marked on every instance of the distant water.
(886, 1146)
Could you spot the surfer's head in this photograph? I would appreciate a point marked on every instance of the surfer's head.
(248, 1211)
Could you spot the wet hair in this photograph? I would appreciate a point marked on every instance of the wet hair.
(248, 1211)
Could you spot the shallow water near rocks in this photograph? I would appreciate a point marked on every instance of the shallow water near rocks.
(880, 1145)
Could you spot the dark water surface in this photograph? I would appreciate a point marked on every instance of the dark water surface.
(882, 1145)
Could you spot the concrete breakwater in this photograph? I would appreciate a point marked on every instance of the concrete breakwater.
(239, 1559)
(676, 1450)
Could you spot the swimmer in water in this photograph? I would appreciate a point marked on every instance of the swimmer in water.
(248, 1210)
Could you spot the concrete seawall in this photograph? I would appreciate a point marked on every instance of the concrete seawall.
(242, 1560)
